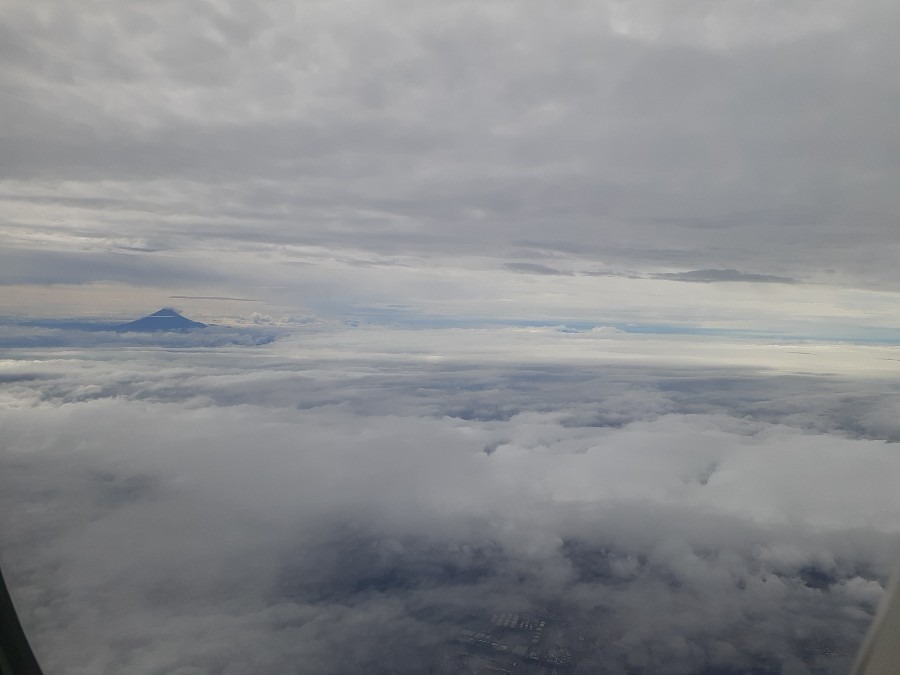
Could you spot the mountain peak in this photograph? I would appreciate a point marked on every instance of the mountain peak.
(166, 319)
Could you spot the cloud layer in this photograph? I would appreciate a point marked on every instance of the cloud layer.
(429, 155)
(307, 506)
(344, 500)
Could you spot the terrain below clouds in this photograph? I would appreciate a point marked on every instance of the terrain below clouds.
(339, 509)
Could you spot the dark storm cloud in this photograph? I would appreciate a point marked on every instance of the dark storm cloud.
(714, 276)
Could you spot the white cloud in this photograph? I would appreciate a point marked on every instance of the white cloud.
(246, 509)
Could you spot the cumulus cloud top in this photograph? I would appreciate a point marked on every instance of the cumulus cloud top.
(310, 502)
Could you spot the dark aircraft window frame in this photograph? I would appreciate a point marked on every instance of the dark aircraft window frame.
(16, 657)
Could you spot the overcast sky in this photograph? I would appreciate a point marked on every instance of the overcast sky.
(728, 164)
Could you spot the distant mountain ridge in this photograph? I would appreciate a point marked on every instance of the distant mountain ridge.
(166, 319)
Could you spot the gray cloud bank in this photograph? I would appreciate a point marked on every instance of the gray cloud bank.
(714, 276)
(534, 268)
(272, 509)
(623, 132)
(98, 335)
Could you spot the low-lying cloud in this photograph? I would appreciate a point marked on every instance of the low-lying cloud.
(269, 510)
